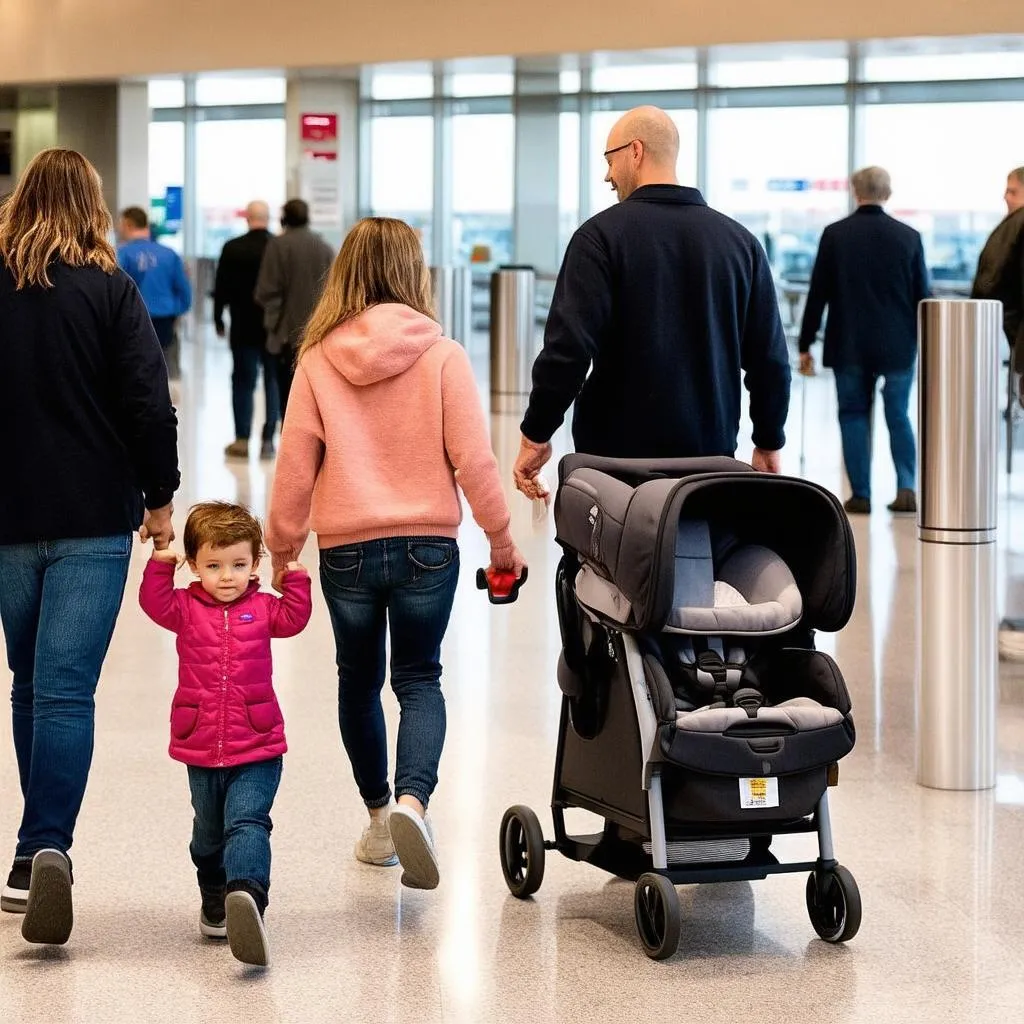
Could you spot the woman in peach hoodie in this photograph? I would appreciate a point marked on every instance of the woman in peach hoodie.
(383, 418)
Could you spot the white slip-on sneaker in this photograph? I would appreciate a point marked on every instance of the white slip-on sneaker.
(49, 916)
(247, 935)
(374, 846)
(414, 843)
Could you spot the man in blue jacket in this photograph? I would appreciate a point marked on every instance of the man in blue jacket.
(662, 310)
(870, 272)
(159, 273)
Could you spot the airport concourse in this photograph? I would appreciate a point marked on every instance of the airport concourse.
(704, 741)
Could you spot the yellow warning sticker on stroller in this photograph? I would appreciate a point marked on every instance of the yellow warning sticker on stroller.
(759, 793)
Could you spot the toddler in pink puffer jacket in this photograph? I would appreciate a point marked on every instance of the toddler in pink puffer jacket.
(226, 724)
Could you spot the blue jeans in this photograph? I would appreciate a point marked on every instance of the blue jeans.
(59, 601)
(231, 829)
(855, 390)
(247, 361)
(406, 584)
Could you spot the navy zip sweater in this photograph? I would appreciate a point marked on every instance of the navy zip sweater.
(667, 303)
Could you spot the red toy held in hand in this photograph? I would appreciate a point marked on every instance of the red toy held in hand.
(501, 585)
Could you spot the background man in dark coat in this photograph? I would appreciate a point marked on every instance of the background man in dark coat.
(237, 272)
(871, 274)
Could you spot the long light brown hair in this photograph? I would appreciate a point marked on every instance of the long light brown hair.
(380, 261)
(56, 213)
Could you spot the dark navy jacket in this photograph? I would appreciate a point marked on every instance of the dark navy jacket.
(871, 274)
(666, 302)
(85, 413)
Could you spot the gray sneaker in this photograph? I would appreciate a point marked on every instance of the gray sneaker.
(267, 450)
(49, 916)
(413, 837)
(374, 846)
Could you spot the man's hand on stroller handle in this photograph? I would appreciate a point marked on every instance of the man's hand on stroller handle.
(767, 462)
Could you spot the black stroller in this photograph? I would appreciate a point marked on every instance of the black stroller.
(697, 718)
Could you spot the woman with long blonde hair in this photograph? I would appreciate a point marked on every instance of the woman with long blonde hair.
(384, 418)
(89, 455)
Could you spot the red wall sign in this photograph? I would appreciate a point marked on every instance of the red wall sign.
(319, 127)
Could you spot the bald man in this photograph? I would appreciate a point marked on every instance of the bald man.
(662, 304)
(237, 272)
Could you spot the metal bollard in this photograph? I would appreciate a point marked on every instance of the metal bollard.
(453, 301)
(958, 372)
(514, 344)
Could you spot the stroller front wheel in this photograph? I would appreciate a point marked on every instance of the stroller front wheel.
(658, 917)
(833, 903)
(522, 851)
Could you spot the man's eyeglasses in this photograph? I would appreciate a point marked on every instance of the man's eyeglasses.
(608, 152)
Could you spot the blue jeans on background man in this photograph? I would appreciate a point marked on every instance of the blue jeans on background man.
(407, 585)
(59, 601)
(231, 830)
(855, 390)
(247, 360)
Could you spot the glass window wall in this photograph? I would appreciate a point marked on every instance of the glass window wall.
(482, 170)
(402, 172)
(781, 172)
(236, 89)
(411, 81)
(778, 64)
(236, 162)
(644, 71)
(943, 60)
(568, 176)
(952, 194)
(166, 92)
(166, 170)
(491, 76)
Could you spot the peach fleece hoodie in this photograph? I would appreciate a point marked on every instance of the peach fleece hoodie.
(383, 418)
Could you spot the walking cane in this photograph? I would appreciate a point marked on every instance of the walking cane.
(803, 420)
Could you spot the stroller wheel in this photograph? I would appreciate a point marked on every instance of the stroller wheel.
(522, 851)
(833, 904)
(658, 918)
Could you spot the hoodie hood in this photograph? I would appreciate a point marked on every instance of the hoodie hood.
(381, 342)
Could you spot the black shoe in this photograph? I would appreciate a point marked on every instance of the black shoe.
(247, 935)
(14, 897)
(49, 916)
(857, 506)
(267, 450)
(212, 923)
(906, 501)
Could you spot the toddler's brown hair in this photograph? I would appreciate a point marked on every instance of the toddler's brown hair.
(221, 524)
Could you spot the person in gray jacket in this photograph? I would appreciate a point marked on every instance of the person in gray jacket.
(291, 278)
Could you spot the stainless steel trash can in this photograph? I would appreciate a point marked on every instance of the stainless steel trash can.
(514, 337)
(957, 670)
(453, 301)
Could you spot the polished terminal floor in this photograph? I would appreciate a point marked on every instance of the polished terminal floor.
(940, 873)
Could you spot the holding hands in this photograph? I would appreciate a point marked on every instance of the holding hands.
(157, 527)
(278, 582)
